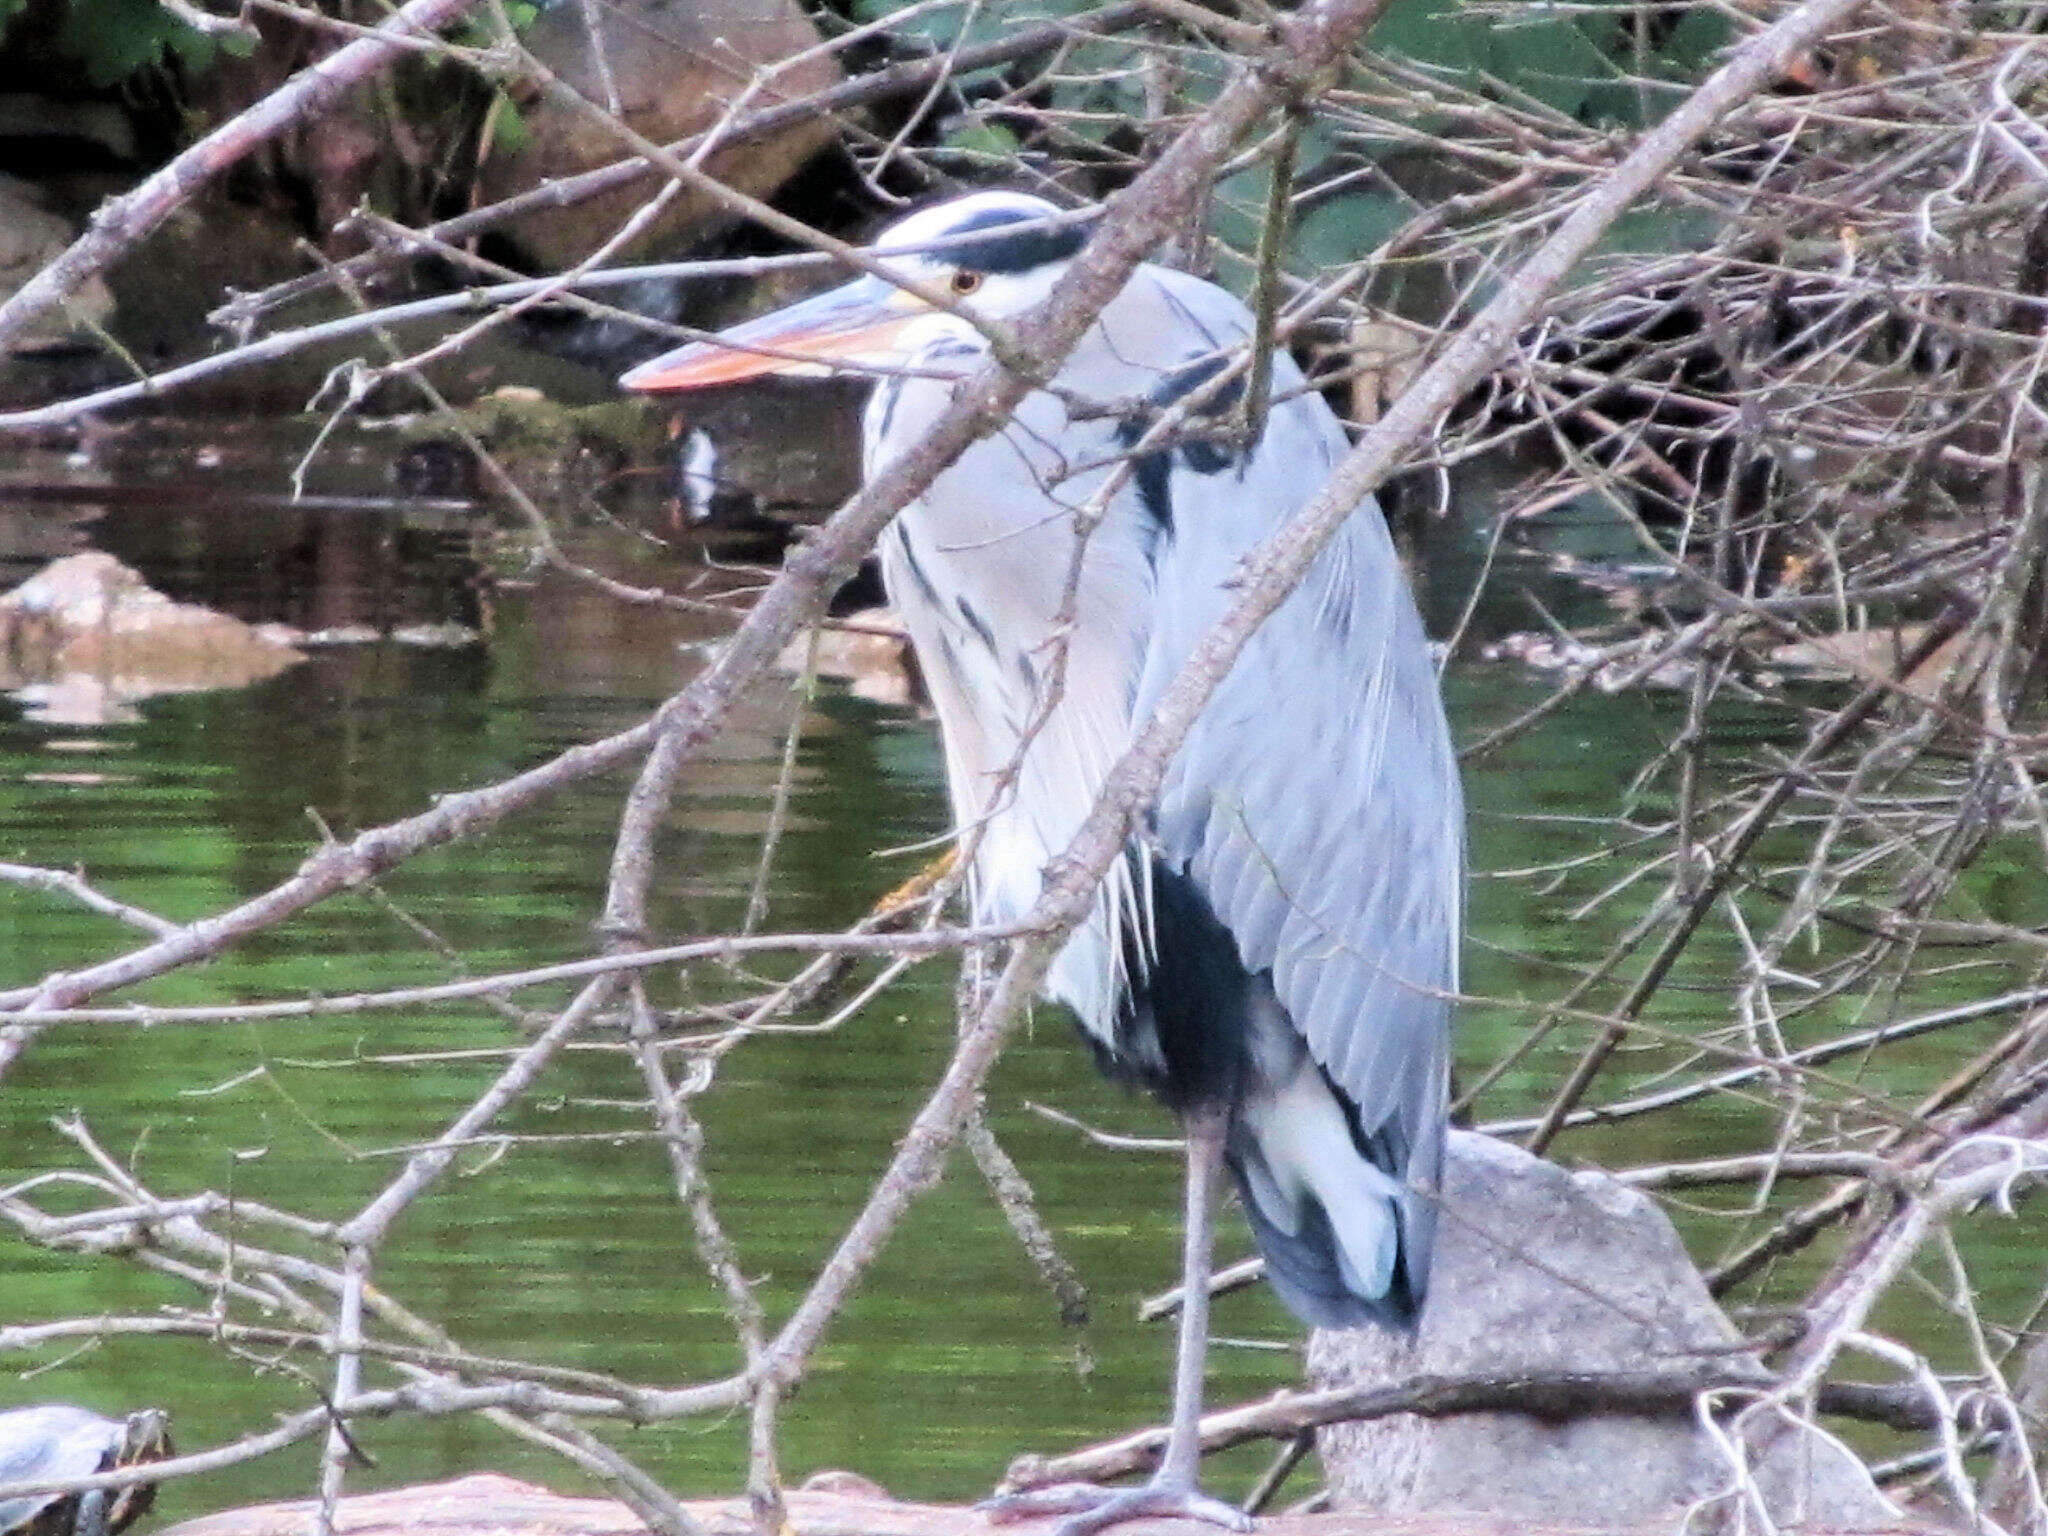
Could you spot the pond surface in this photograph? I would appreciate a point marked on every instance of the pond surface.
(569, 1248)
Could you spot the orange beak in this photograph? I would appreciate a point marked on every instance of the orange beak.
(856, 324)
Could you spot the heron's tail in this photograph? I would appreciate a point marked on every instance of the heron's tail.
(1345, 1232)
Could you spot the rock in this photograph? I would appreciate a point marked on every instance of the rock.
(61, 126)
(1556, 1272)
(31, 536)
(537, 440)
(32, 234)
(675, 66)
(486, 1501)
(1856, 654)
(339, 634)
(436, 469)
(86, 637)
(445, 636)
(869, 651)
(844, 1484)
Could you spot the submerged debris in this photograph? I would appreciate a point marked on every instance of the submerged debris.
(1611, 668)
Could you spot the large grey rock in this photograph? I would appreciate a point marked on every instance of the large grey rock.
(674, 68)
(1554, 1272)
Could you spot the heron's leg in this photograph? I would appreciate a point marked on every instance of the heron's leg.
(1206, 1129)
(1172, 1490)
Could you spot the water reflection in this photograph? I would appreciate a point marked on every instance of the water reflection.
(572, 1250)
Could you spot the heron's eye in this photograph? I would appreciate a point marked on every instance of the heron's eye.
(965, 283)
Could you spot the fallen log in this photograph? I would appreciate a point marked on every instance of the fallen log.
(831, 1504)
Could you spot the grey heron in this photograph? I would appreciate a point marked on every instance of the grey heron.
(1276, 953)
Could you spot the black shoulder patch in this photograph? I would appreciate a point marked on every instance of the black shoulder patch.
(1182, 1030)
(1204, 455)
(986, 241)
(1153, 474)
(1179, 383)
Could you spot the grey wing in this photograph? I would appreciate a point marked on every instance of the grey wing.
(1315, 803)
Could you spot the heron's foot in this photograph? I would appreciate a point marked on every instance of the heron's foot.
(1090, 1508)
(918, 886)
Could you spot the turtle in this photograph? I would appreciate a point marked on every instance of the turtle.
(55, 1441)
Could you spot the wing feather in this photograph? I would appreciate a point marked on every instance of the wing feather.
(1315, 803)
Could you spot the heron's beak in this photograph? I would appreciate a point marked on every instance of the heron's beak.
(859, 323)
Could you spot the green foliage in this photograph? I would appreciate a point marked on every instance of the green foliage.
(1613, 64)
(481, 31)
(1695, 40)
(1591, 66)
(1568, 63)
(112, 41)
(979, 138)
(1573, 63)
(505, 126)
(1661, 228)
(1586, 65)
(1348, 228)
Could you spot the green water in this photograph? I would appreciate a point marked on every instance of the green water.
(952, 1358)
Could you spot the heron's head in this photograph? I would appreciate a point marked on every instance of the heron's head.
(996, 253)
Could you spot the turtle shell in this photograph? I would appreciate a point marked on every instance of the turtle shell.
(54, 1441)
